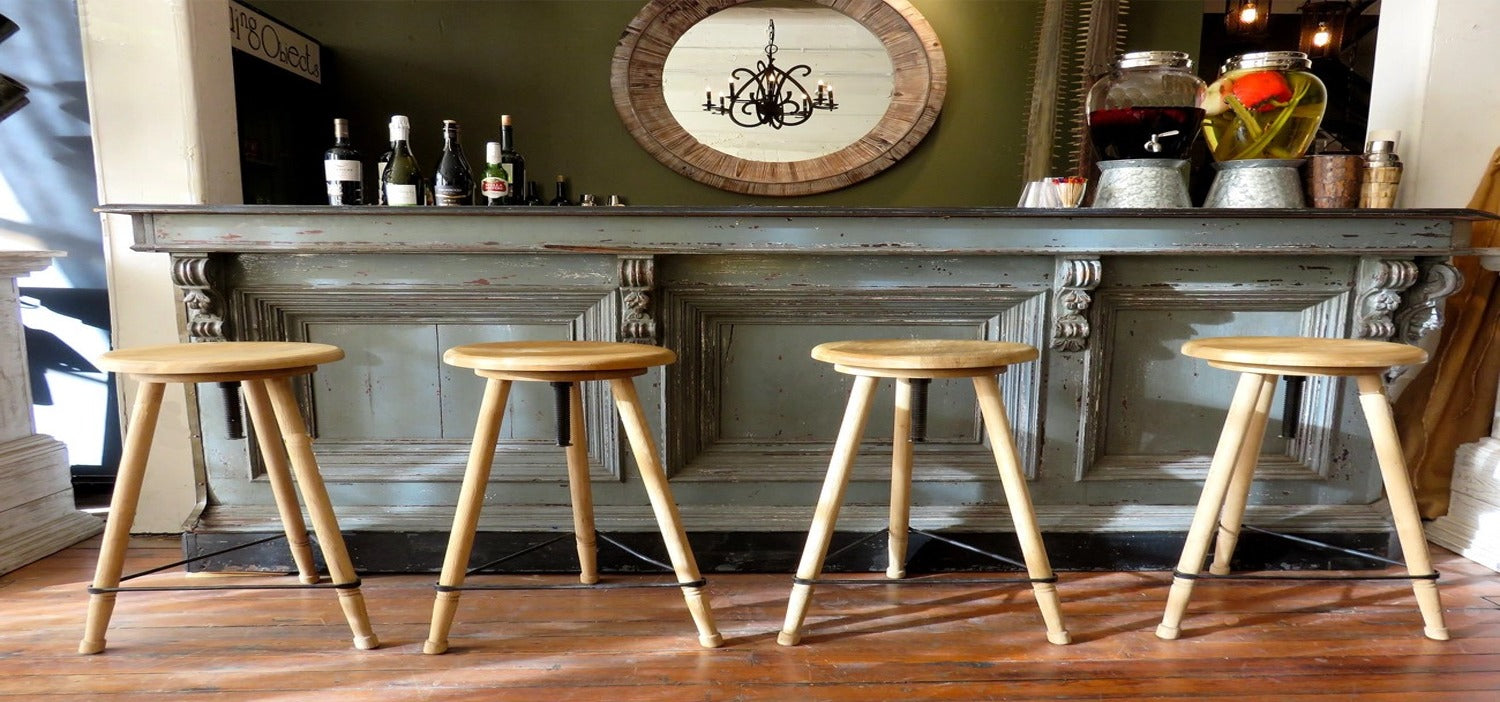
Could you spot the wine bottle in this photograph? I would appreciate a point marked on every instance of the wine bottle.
(380, 165)
(402, 181)
(494, 185)
(453, 181)
(514, 163)
(533, 194)
(342, 171)
(561, 199)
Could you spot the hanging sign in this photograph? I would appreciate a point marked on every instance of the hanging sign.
(275, 43)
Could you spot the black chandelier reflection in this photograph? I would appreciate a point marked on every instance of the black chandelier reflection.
(769, 95)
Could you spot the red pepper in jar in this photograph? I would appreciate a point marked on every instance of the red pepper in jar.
(1259, 91)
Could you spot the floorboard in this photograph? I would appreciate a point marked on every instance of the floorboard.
(1312, 641)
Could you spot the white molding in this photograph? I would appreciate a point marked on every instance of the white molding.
(1472, 526)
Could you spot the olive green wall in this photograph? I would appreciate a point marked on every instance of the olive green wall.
(1164, 25)
(546, 63)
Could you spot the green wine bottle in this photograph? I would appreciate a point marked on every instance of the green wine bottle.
(402, 180)
(495, 183)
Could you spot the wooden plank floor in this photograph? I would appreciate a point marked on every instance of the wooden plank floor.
(1272, 641)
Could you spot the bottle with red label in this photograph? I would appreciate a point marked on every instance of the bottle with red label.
(495, 185)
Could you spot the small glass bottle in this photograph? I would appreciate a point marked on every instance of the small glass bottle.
(495, 183)
(561, 198)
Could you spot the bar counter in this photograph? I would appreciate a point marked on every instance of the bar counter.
(1114, 427)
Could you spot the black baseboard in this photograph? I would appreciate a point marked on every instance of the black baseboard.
(778, 552)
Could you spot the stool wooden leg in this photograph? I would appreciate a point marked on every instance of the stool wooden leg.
(827, 513)
(325, 524)
(581, 491)
(667, 519)
(466, 518)
(1233, 514)
(122, 506)
(1403, 503)
(901, 450)
(1211, 502)
(1018, 498)
(268, 435)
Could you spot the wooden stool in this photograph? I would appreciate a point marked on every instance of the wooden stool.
(1261, 360)
(564, 364)
(264, 370)
(921, 360)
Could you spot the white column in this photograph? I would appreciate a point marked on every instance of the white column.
(161, 105)
(37, 517)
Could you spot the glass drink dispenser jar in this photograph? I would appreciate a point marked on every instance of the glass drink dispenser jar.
(1149, 106)
(1264, 105)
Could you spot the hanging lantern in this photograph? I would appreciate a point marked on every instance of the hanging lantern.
(1323, 23)
(1247, 17)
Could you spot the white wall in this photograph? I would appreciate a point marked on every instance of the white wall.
(161, 102)
(1436, 81)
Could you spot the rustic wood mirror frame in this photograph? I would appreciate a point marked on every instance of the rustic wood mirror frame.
(920, 76)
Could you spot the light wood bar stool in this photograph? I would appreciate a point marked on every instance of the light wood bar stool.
(264, 370)
(564, 364)
(1261, 361)
(914, 363)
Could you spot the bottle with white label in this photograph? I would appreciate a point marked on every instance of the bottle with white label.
(402, 180)
(495, 184)
(342, 170)
(380, 165)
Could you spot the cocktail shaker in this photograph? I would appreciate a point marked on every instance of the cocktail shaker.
(1381, 176)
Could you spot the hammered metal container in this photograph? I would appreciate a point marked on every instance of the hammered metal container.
(1256, 182)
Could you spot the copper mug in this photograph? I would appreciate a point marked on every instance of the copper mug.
(1332, 180)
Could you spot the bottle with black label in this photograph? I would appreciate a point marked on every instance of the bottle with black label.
(453, 181)
(342, 170)
(402, 181)
(380, 165)
(493, 186)
(561, 199)
(514, 163)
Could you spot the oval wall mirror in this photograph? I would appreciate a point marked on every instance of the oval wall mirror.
(682, 79)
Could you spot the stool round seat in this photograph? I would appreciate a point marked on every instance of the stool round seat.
(218, 357)
(924, 354)
(1261, 362)
(260, 372)
(557, 356)
(1302, 352)
(913, 364)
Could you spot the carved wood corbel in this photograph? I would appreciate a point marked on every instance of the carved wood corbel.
(1378, 291)
(198, 276)
(637, 281)
(1073, 280)
(1421, 311)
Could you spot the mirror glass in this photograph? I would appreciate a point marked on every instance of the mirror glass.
(887, 93)
(838, 51)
